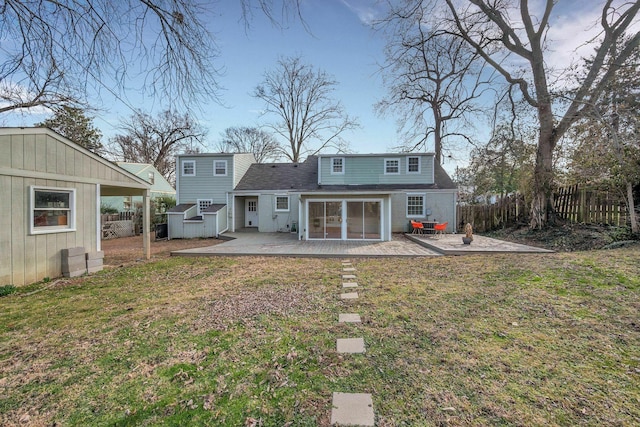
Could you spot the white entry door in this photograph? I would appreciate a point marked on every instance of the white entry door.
(251, 213)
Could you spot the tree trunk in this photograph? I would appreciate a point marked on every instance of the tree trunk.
(542, 210)
(631, 206)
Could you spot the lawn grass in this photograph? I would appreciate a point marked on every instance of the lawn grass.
(475, 340)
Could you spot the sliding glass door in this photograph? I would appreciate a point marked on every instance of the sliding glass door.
(345, 219)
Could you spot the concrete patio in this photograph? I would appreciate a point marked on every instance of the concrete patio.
(286, 244)
(451, 244)
(402, 245)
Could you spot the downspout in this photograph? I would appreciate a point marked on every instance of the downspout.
(146, 236)
(98, 221)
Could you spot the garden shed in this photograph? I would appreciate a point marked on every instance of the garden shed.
(50, 189)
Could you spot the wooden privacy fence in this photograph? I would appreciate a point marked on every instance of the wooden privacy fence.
(583, 205)
(572, 203)
(508, 211)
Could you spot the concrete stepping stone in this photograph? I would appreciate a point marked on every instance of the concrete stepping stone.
(350, 285)
(349, 295)
(352, 409)
(349, 318)
(346, 264)
(348, 276)
(349, 269)
(346, 260)
(350, 345)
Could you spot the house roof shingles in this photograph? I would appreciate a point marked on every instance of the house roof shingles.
(304, 177)
(281, 176)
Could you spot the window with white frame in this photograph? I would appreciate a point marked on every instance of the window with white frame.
(188, 168)
(415, 205)
(203, 204)
(151, 178)
(391, 166)
(126, 203)
(282, 203)
(337, 165)
(52, 209)
(219, 168)
(413, 164)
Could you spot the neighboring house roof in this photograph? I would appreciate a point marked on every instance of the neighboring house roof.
(141, 170)
(304, 177)
(281, 176)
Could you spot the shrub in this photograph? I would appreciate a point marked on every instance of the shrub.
(7, 290)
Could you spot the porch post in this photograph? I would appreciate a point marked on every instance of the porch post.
(146, 223)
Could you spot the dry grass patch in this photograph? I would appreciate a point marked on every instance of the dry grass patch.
(501, 340)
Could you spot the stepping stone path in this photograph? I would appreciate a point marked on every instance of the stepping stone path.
(349, 295)
(349, 318)
(350, 345)
(351, 409)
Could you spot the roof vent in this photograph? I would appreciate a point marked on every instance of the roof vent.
(273, 166)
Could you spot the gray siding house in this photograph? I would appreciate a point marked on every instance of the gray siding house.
(204, 183)
(339, 197)
(51, 189)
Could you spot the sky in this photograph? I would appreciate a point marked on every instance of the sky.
(337, 40)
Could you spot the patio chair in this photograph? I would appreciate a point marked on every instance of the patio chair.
(440, 228)
(417, 227)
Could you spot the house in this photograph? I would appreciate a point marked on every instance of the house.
(205, 182)
(51, 189)
(343, 197)
(160, 187)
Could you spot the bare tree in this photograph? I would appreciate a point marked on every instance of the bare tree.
(300, 96)
(55, 51)
(497, 30)
(433, 80)
(146, 139)
(243, 139)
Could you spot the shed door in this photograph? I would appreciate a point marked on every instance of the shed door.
(251, 213)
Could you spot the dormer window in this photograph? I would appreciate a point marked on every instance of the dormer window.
(391, 166)
(413, 164)
(337, 165)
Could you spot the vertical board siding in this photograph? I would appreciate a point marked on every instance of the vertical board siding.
(6, 231)
(29, 258)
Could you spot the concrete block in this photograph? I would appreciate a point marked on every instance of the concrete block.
(348, 276)
(75, 273)
(95, 255)
(74, 263)
(70, 252)
(348, 269)
(352, 409)
(92, 263)
(349, 285)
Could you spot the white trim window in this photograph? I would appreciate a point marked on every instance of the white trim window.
(391, 166)
(52, 210)
(203, 204)
(282, 204)
(219, 168)
(337, 166)
(413, 164)
(188, 168)
(415, 205)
